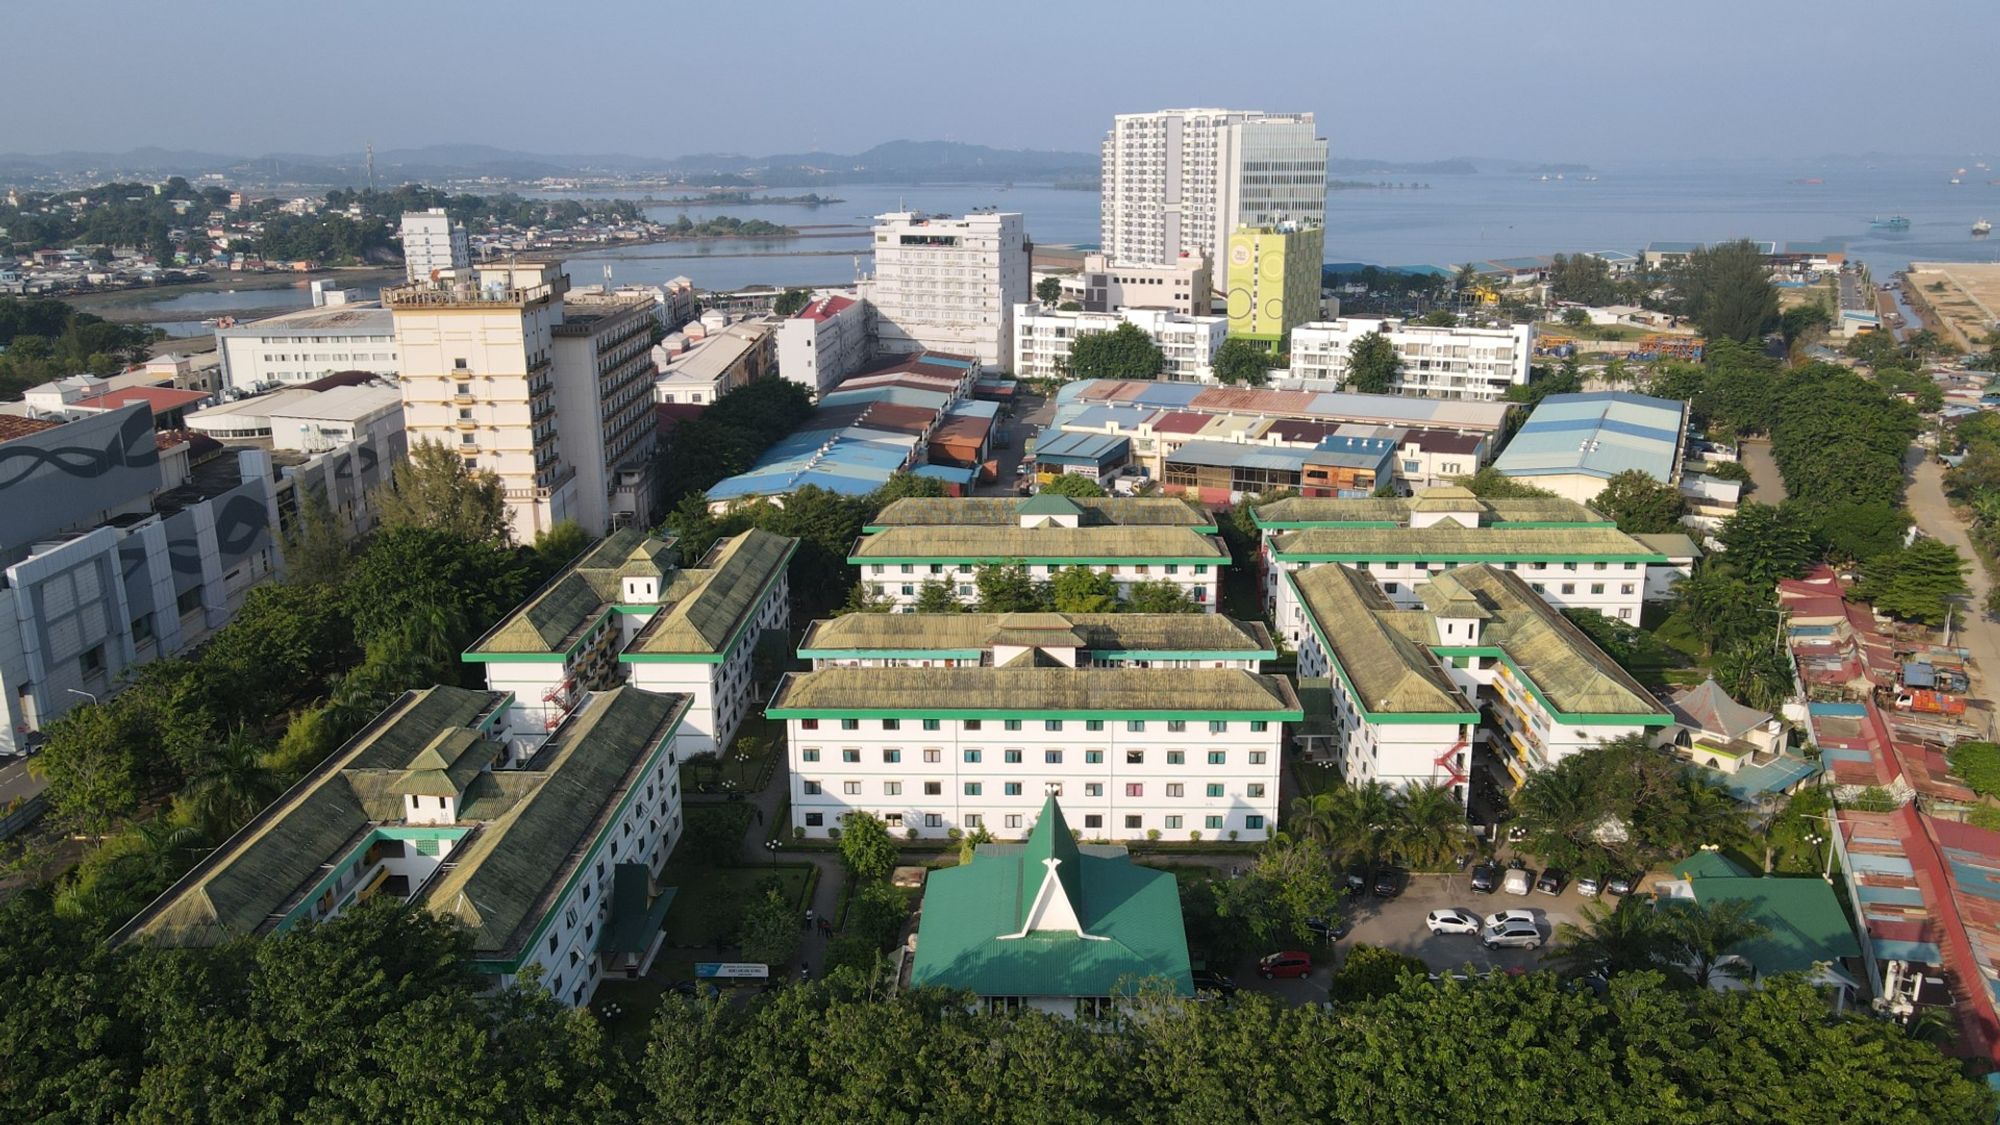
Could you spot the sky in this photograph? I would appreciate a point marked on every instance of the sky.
(1549, 80)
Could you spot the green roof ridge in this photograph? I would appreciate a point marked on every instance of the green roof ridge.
(1049, 504)
(1051, 840)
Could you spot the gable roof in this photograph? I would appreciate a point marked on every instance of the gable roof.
(556, 615)
(712, 603)
(1048, 504)
(1306, 511)
(1009, 544)
(1804, 919)
(977, 692)
(1442, 541)
(1707, 707)
(1001, 511)
(1389, 671)
(1098, 632)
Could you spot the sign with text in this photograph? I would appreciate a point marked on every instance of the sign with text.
(731, 970)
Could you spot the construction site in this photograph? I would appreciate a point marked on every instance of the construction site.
(1959, 300)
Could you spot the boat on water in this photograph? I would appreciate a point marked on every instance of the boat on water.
(1956, 180)
(1982, 227)
(1893, 222)
(1809, 181)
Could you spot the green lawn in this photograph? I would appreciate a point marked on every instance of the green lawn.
(708, 901)
(1593, 332)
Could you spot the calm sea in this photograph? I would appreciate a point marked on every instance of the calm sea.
(1453, 219)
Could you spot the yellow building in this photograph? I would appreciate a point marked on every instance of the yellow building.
(1273, 280)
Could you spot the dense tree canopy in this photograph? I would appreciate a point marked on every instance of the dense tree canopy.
(1639, 504)
(436, 491)
(1727, 290)
(1243, 361)
(1839, 439)
(1372, 364)
(1584, 278)
(1073, 484)
(1125, 352)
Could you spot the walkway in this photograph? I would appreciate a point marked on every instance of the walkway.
(1976, 631)
(832, 876)
(1767, 485)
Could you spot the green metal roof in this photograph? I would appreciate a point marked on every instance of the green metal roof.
(1803, 915)
(634, 922)
(1048, 504)
(1040, 692)
(1709, 865)
(719, 598)
(1157, 633)
(552, 619)
(1132, 915)
(1469, 544)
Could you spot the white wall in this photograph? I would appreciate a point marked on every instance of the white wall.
(1455, 363)
(1201, 582)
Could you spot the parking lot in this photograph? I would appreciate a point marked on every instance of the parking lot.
(1398, 924)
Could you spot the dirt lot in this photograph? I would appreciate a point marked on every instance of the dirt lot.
(1969, 303)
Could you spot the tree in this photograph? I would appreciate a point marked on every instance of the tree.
(1490, 483)
(235, 784)
(435, 490)
(1624, 938)
(557, 547)
(1701, 936)
(1766, 544)
(862, 598)
(1159, 595)
(1795, 323)
(1372, 364)
(1978, 765)
(1839, 438)
(1008, 589)
(95, 764)
(1073, 484)
(1428, 826)
(316, 547)
(432, 589)
(1291, 882)
(1583, 278)
(1242, 361)
(1125, 352)
(1353, 823)
(1727, 290)
(791, 301)
(1755, 672)
(1576, 319)
(1438, 318)
(1081, 589)
(1852, 532)
(1048, 290)
(1916, 583)
(1639, 504)
(937, 597)
(866, 847)
(1371, 972)
(769, 933)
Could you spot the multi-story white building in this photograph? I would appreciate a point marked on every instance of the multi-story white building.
(1044, 336)
(1480, 674)
(545, 845)
(1181, 180)
(604, 377)
(625, 612)
(1102, 640)
(1178, 751)
(948, 285)
(824, 342)
(699, 366)
(917, 541)
(1570, 555)
(432, 243)
(299, 347)
(1462, 363)
(1185, 285)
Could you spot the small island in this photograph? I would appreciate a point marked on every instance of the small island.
(724, 226)
(744, 199)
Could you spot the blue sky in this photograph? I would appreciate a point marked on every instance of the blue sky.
(1412, 79)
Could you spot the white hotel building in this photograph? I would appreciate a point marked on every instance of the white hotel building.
(1134, 751)
(921, 540)
(299, 347)
(948, 285)
(1481, 674)
(1461, 363)
(1044, 336)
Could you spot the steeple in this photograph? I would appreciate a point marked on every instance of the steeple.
(1051, 863)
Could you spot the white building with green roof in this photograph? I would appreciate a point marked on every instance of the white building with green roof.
(939, 725)
(1483, 674)
(924, 540)
(1051, 924)
(544, 845)
(1570, 555)
(625, 612)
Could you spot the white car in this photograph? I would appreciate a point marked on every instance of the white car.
(1517, 881)
(1495, 921)
(1513, 935)
(1452, 920)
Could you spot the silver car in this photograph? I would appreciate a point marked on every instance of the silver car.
(1513, 935)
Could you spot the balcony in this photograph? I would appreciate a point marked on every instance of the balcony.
(462, 400)
(465, 425)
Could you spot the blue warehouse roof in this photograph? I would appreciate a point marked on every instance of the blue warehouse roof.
(1599, 434)
(1229, 455)
(1097, 450)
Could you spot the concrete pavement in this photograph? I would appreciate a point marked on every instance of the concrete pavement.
(1767, 486)
(1975, 630)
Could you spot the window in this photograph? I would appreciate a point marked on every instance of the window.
(1597, 587)
(1011, 724)
(974, 820)
(892, 789)
(1093, 757)
(932, 755)
(1257, 757)
(972, 756)
(1176, 726)
(1211, 822)
(1135, 757)
(1173, 568)
(972, 789)
(1013, 757)
(1135, 789)
(931, 724)
(851, 788)
(972, 724)
(1625, 588)
(1176, 757)
(1253, 822)
(933, 820)
(850, 724)
(809, 754)
(933, 789)
(1011, 788)
(1052, 757)
(808, 724)
(1173, 822)
(1135, 726)
(1013, 820)
(1214, 789)
(1218, 726)
(1092, 820)
(1255, 790)
(908, 589)
(1569, 587)
(892, 756)
(1176, 789)
(1218, 757)
(1051, 724)
(1134, 822)
(812, 788)
(906, 568)
(850, 755)
(1093, 789)
(892, 724)
(1093, 724)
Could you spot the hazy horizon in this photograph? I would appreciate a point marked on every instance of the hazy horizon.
(1541, 80)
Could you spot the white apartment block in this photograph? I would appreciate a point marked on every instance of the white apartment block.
(1571, 556)
(1185, 285)
(299, 347)
(1478, 364)
(433, 243)
(1135, 752)
(1180, 180)
(948, 285)
(824, 342)
(923, 540)
(1043, 337)
(624, 612)
(1481, 674)
(604, 376)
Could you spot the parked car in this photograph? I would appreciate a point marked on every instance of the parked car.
(1494, 921)
(1552, 882)
(1513, 935)
(1452, 920)
(1590, 886)
(1486, 877)
(1619, 884)
(1329, 931)
(1208, 980)
(1357, 881)
(1290, 963)
(1388, 883)
(1519, 880)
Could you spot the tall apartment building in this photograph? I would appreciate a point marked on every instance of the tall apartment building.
(949, 285)
(604, 404)
(1043, 338)
(432, 242)
(1460, 362)
(1181, 180)
(1185, 285)
(824, 342)
(1274, 279)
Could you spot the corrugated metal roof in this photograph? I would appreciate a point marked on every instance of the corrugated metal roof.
(1226, 455)
(1597, 434)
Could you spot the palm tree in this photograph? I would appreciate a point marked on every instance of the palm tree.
(1696, 813)
(1558, 810)
(1756, 672)
(232, 786)
(1703, 933)
(1429, 826)
(1623, 939)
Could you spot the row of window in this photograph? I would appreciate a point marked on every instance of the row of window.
(967, 568)
(1133, 821)
(1175, 789)
(894, 755)
(1174, 726)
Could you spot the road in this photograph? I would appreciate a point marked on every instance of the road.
(1031, 413)
(1767, 486)
(1979, 633)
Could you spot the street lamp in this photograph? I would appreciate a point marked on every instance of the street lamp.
(772, 846)
(81, 692)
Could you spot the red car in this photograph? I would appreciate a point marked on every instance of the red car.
(1290, 963)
